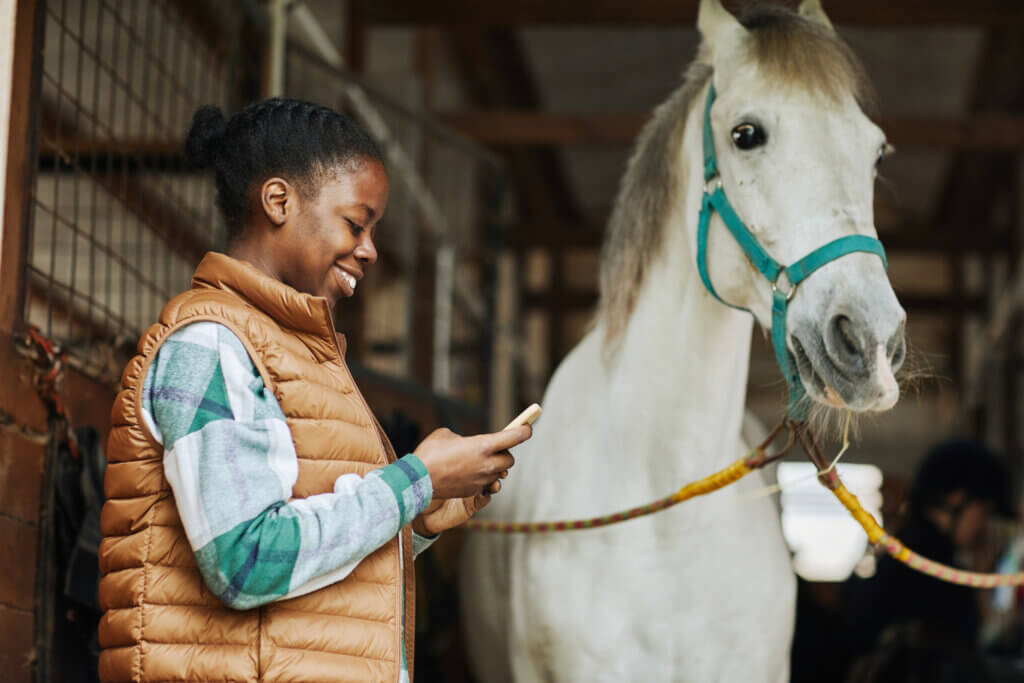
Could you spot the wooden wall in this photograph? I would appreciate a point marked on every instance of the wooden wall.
(23, 444)
(23, 435)
(25, 427)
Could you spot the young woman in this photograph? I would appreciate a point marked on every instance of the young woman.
(258, 523)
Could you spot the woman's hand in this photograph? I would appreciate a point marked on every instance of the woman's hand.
(464, 466)
(464, 473)
(443, 514)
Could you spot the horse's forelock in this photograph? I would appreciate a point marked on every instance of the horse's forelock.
(787, 47)
(794, 50)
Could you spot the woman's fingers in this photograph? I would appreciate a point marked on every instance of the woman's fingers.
(504, 440)
(500, 463)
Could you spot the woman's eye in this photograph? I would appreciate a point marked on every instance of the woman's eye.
(748, 136)
(356, 228)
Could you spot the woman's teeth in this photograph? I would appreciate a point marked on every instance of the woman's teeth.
(350, 280)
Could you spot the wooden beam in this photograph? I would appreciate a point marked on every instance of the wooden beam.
(496, 75)
(22, 136)
(977, 131)
(909, 239)
(927, 304)
(117, 155)
(530, 128)
(355, 37)
(73, 145)
(679, 12)
(510, 128)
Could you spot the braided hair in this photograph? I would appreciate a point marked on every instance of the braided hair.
(300, 141)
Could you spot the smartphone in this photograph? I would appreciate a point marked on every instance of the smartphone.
(527, 417)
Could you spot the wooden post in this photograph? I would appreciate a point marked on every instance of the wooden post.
(7, 8)
(355, 37)
(1012, 374)
(423, 273)
(556, 309)
(273, 85)
(502, 380)
(21, 143)
(422, 338)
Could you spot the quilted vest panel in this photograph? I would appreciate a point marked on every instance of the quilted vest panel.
(161, 623)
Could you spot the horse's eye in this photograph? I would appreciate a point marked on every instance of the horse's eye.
(884, 151)
(748, 136)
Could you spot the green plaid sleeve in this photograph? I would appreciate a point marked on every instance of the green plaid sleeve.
(231, 462)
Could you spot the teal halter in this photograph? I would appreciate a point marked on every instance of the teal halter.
(715, 200)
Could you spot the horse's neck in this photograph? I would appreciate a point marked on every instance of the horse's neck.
(682, 367)
(682, 370)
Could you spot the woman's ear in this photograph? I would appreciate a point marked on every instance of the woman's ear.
(278, 200)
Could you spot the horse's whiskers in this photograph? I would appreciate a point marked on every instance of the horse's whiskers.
(779, 488)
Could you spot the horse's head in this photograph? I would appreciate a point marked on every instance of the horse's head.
(797, 157)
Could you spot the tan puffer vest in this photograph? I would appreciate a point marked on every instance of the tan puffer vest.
(161, 622)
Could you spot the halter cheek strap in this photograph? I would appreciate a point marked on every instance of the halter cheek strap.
(714, 200)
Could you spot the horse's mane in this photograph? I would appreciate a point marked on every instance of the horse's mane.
(788, 48)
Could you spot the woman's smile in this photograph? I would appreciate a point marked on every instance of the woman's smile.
(346, 281)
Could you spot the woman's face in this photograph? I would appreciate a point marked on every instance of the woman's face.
(327, 244)
(971, 524)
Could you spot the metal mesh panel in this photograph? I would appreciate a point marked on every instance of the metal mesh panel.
(118, 220)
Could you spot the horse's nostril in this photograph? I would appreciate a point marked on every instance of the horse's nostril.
(844, 338)
(898, 352)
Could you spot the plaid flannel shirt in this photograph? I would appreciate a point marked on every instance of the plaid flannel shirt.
(231, 462)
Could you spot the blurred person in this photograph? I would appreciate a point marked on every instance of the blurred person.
(902, 625)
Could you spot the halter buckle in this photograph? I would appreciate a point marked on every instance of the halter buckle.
(791, 287)
(711, 184)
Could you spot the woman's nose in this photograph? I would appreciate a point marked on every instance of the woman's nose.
(366, 252)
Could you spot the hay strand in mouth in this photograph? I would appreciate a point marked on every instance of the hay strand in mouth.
(778, 488)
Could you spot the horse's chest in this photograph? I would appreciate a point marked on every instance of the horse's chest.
(674, 600)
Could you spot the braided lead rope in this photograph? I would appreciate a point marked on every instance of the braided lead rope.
(50, 360)
(892, 545)
(754, 459)
(734, 472)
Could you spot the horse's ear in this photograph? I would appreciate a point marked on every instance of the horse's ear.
(721, 30)
(813, 10)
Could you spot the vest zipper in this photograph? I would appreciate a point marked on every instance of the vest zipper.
(377, 429)
(362, 399)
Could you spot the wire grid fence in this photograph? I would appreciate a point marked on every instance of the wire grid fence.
(467, 182)
(119, 221)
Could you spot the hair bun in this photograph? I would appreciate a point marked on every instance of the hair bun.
(206, 137)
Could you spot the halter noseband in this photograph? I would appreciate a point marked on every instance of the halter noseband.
(715, 200)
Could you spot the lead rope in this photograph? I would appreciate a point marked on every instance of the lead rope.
(756, 458)
(883, 541)
(50, 359)
(730, 474)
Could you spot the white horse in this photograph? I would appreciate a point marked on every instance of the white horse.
(653, 397)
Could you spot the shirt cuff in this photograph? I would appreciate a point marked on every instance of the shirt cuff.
(421, 543)
(410, 483)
